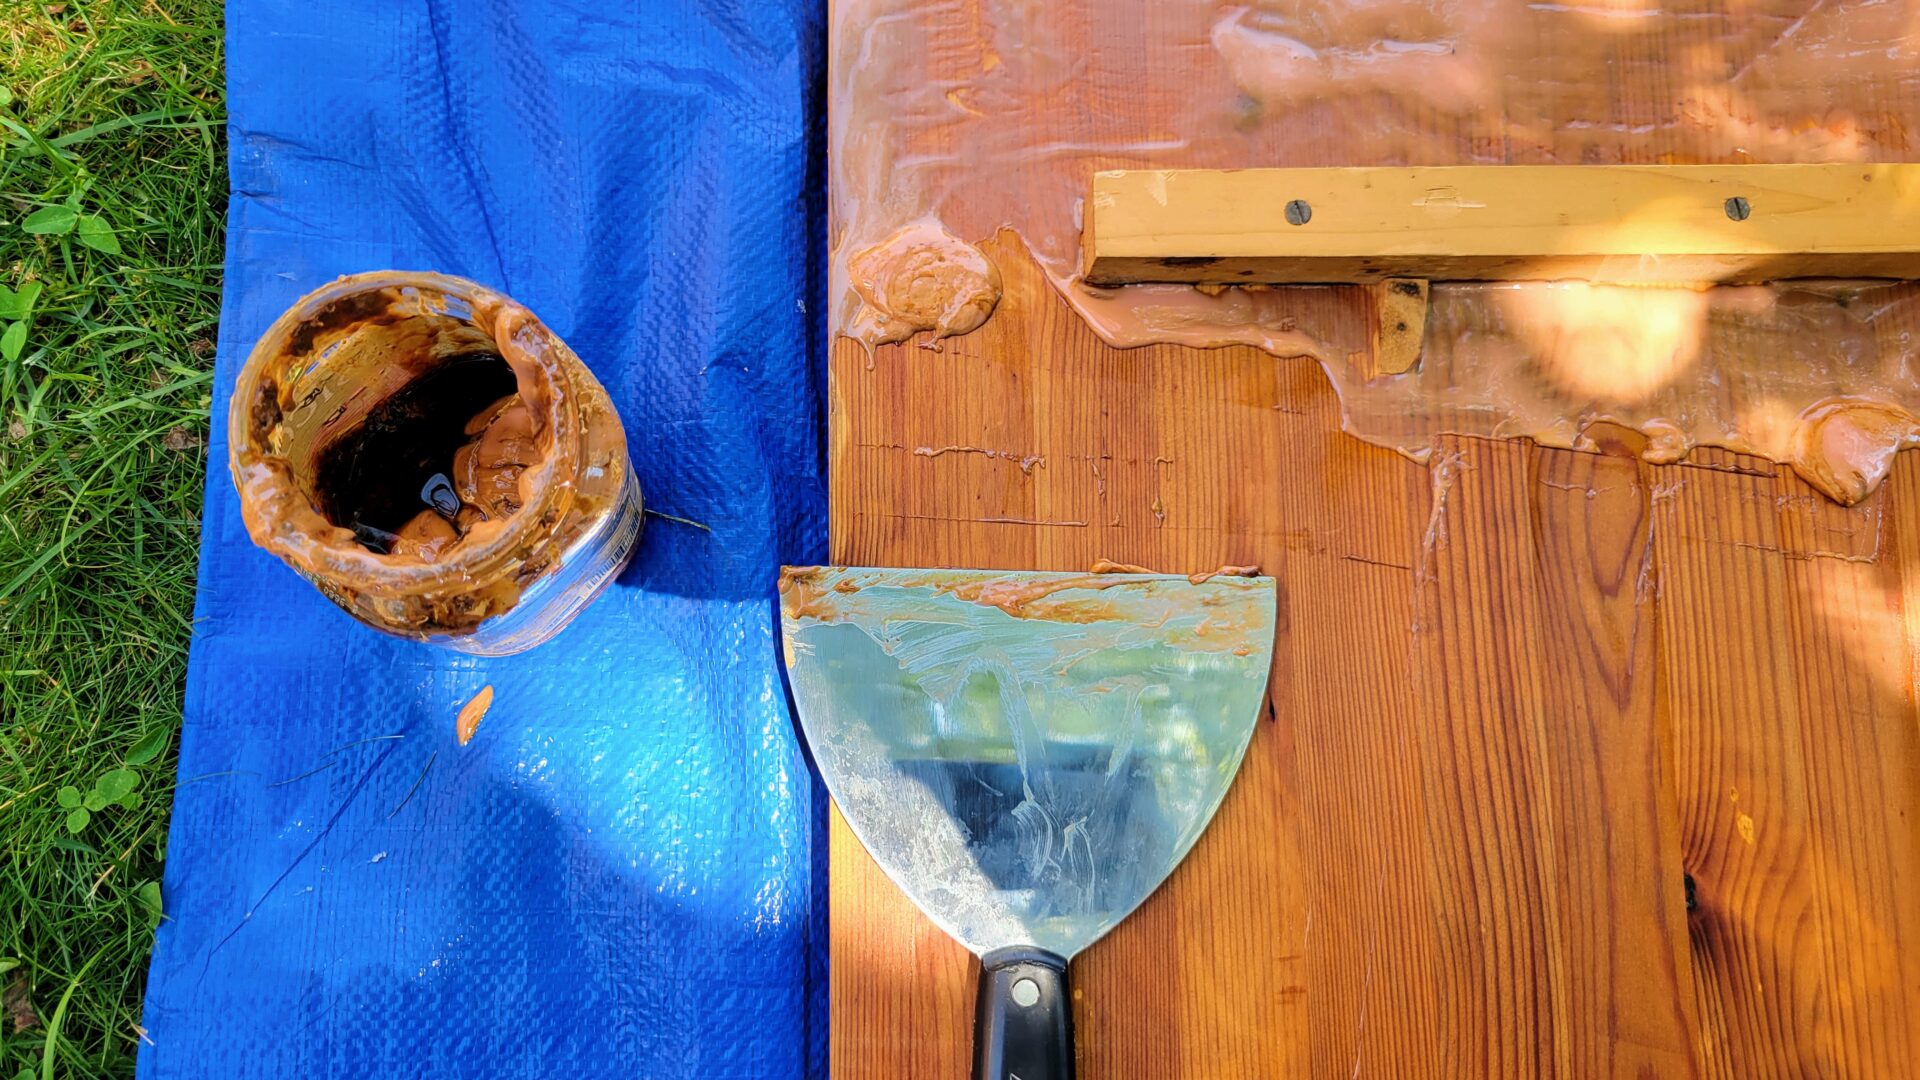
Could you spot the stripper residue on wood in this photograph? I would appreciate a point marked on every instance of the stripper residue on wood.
(1224, 571)
(1027, 462)
(922, 278)
(953, 120)
(1107, 566)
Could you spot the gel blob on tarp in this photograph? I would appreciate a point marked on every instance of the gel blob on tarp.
(621, 875)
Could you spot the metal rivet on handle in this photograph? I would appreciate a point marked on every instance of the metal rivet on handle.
(1298, 212)
(1025, 993)
(1738, 208)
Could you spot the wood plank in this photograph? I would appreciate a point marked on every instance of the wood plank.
(1420, 872)
(1903, 488)
(1149, 457)
(1507, 724)
(1479, 735)
(1796, 766)
(1622, 908)
(1555, 860)
(890, 965)
(1629, 223)
(1343, 687)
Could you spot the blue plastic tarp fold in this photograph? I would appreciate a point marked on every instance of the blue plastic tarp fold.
(622, 874)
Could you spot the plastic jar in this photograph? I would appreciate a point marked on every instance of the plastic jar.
(390, 396)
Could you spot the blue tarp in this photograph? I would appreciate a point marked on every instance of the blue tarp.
(622, 875)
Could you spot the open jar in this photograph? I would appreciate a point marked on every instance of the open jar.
(434, 460)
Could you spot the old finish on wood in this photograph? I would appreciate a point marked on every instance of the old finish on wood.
(1575, 766)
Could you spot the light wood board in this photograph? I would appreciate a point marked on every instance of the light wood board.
(1625, 223)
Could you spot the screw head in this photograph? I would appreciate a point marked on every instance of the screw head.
(1738, 208)
(1298, 212)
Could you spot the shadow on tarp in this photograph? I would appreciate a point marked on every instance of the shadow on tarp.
(543, 898)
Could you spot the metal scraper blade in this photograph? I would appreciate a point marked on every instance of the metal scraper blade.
(1027, 755)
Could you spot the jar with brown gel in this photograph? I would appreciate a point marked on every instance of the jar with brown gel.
(434, 460)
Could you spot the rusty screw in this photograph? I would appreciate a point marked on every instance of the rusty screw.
(1298, 212)
(1738, 208)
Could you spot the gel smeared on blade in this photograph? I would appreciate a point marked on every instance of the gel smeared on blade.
(1027, 755)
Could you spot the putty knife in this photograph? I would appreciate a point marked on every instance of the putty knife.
(1026, 755)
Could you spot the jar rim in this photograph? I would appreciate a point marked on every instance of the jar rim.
(280, 512)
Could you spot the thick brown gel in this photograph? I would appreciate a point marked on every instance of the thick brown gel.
(803, 597)
(921, 278)
(425, 537)
(547, 465)
(966, 116)
(474, 711)
(486, 480)
(1817, 375)
(1224, 571)
(1014, 594)
(487, 471)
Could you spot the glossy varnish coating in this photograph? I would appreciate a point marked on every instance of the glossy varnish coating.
(1576, 765)
(953, 119)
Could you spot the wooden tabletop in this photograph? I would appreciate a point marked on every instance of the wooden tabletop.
(1574, 766)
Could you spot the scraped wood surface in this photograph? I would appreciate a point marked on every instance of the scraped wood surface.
(1575, 766)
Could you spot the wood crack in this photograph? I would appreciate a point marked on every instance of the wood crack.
(1378, 562)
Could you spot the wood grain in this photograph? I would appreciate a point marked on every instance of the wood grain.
(1634, 223)
(1623, 909)
(1575, 766)
(1795, 756)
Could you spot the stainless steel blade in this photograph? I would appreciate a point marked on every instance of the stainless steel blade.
(1027, 755)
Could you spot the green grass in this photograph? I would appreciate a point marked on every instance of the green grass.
(111, 137)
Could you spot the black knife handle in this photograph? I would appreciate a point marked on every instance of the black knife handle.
(1023, 1022)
